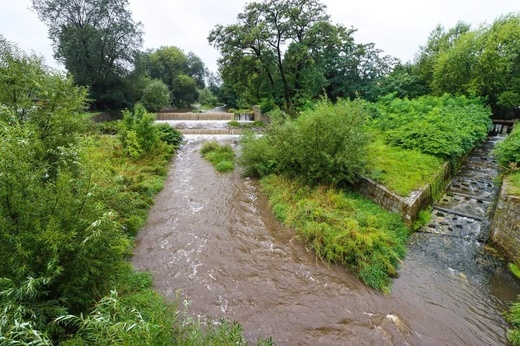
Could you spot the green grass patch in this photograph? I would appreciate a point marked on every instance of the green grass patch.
(514, 269)
(342, 227)
(221, 156)
(513, 183)
(513, 317)
(400, 170)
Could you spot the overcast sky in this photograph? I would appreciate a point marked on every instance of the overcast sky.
(398, 26)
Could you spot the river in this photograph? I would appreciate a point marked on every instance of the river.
(213, 237)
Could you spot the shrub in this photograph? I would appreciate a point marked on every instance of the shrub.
(169, 134)
(156, 96)
(507, 152)
(138, 133)
(324, 145)
(513, 317)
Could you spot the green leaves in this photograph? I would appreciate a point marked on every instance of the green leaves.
(138, 133)
(446, 127)
(508, 151)
(324, 145)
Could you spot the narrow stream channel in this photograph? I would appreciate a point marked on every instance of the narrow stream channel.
(212, 237)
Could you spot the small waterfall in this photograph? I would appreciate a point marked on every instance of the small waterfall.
(195, 116)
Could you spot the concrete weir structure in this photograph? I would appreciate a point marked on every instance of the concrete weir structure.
(505, 228)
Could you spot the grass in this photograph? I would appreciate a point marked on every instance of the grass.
(513, 183)
(221, 156)
(513, 317)
(128, 185)
(400, 170)
(242, 125)
(342, 228)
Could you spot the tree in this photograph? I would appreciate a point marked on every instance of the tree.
(60, 243)
(97, 41)
(439, 41)
(35, 96)
(155, 96)
(180, 72)
(482, 62)
(289, 52)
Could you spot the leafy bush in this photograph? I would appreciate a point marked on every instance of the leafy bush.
(156, 96)
(169, 134)
(446, 126)
(138, 133)
(507, 152)
(324, 145)
(267, 105)
(221, 156)
(342, 228)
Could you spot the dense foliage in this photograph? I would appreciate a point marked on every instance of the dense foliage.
(342, 228)
(400, 170)
(445, 126)
(156, 96)
(481, 62)
(182, 73)
(290, 52)
(70, 203)
(138, 134)
(97, 41)
(324, 145)
(507, 152)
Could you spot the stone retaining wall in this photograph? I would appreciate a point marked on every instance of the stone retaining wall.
(505, 227)
(408, 207)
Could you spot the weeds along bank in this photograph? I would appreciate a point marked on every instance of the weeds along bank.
(309, 164)
(505, 227)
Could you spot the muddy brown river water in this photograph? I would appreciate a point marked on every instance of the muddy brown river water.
(213, 237)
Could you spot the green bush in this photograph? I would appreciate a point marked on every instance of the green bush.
(324, 145)
(221, 156)
(507, 152)
(156, 95)
(342, 228)
(138, 133)
(169, 134)
(446, 126)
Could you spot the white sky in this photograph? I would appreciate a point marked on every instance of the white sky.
(397, 26)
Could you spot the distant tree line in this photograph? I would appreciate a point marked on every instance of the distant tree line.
(99, 44)
(289, 52)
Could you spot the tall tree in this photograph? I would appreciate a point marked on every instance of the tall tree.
(290, 52)
(97, 41)
(483, 62)
(182, 73)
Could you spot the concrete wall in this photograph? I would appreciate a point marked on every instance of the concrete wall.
(408, 207)
(505, 227)
(259, 116)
